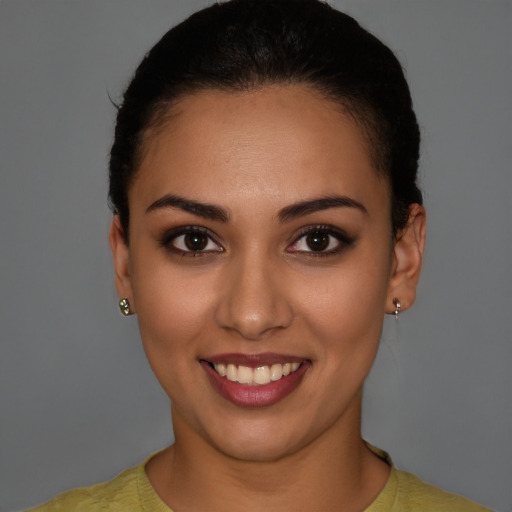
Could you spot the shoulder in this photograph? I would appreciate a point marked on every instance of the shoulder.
(404, 492)
(414, 494)
(116, 495)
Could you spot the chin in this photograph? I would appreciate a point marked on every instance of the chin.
(257, 450)
(259, 441)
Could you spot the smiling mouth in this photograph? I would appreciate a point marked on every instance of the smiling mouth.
(257, 380)
(258, 376)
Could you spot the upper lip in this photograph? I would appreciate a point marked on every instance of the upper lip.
(253, 360)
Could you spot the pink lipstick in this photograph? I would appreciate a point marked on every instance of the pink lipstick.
(255, 380)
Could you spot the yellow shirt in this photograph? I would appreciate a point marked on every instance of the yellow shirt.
(131, 492)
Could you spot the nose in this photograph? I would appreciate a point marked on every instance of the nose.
(254, 300)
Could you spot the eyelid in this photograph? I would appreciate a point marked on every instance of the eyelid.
(343, 238)
(172, 234)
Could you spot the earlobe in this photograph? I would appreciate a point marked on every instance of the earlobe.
(120, 254)
(407, 260)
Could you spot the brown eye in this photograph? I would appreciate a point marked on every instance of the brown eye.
(195, 241)
(321, 241)
(318, 241)
(190, 240)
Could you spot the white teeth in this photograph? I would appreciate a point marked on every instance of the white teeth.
(255, 376)
(231, 372)
(244, 375)
(261, 375)
(276, 371)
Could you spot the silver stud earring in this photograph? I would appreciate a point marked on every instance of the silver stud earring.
(124, 307)
(398, 307)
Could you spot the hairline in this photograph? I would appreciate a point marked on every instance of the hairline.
(163, 111)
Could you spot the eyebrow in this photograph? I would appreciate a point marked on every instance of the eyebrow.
(208, 211)
(217, 213)
(314, 205)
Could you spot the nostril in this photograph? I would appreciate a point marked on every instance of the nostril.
(252, 303)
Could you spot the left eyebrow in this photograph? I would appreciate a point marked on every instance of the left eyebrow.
(314, 205)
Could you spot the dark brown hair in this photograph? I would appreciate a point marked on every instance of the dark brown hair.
(244, 44)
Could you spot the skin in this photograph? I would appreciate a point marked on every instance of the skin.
(259, 288)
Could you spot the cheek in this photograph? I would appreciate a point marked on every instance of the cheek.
(346, 311)
(172, 314)
(173, 307)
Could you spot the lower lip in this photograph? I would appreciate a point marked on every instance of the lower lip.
(255, 396)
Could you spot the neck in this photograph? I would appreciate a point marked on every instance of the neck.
(334, 471)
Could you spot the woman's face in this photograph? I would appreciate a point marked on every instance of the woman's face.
(260, 244)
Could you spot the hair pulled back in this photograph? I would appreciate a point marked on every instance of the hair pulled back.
(245, 44)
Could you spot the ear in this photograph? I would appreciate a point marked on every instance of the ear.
(407, 260)
(120, 254)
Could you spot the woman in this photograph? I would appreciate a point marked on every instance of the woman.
(266, 217)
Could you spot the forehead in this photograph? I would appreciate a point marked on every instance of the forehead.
(282, 141)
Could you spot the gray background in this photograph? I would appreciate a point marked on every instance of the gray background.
(78, 401)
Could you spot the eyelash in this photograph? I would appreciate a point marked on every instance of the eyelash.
(341, 237)
(343, 240)
(168, 241)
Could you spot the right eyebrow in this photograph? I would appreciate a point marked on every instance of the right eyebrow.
(205, 210)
